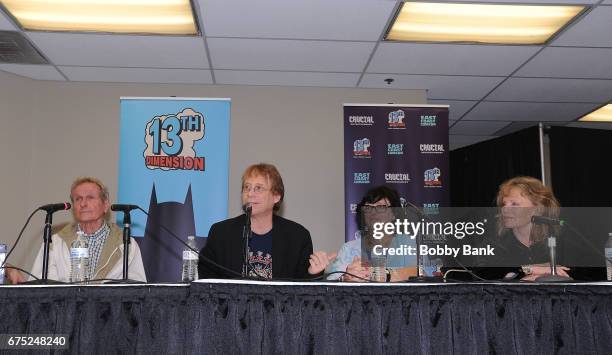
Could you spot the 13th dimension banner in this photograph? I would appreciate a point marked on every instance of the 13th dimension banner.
(402, 146)
(174, 163)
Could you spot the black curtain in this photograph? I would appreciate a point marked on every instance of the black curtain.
(581, 166)
(479, 169)
(306, 319)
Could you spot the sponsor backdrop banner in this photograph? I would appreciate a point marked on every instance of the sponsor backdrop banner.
(402, 146)
(174, 163)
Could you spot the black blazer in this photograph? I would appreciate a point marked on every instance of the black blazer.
(291, 249)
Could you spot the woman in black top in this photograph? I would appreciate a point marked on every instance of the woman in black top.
(521, 251)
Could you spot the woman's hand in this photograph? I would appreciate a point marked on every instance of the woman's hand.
(538, 270)
(357, 269)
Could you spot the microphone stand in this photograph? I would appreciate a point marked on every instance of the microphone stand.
(46, 243)
(126, 242)
(553, 277)
(126, 249)
(417, 238)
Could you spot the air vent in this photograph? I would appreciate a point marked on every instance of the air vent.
(15, 48)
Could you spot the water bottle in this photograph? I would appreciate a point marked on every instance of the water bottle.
(79, 259)
(377, 269)
(2, 258)
(608, 253)
(190, 261)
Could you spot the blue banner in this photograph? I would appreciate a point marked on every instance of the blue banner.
(174, 163)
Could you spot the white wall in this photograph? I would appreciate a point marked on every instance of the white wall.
(74, 131)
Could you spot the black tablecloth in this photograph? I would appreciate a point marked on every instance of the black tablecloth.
(254, 318)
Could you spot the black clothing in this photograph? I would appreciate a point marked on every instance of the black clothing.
(511, 254)
(291, 247)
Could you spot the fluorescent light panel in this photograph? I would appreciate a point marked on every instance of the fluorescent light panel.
(480, 23)
(603, 114)
(171, 17)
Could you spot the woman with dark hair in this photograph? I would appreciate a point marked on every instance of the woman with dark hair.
(379, 205)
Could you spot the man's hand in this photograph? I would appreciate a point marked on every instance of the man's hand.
(319, 261)
(14, 276)
(357, 269)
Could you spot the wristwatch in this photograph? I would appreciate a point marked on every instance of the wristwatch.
(526, 269)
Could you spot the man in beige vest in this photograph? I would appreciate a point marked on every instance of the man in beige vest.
(90, 208)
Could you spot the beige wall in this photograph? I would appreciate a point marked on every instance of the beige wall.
(73, 130)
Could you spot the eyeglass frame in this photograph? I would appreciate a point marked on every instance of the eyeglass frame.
(257, 189)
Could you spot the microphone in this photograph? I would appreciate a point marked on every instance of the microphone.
(247, 208)
(547, 221)
(123, 208)
(53, 207)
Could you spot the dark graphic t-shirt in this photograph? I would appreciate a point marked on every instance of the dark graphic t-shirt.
(260, 255)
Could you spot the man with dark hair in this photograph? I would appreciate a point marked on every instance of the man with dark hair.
(279, 248)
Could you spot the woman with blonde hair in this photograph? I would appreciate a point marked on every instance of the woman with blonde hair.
(521, 251)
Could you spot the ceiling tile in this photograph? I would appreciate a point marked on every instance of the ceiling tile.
(38, 72)
(456, 109)
(553, 90)
(528, 111)
(421, 58)
(439, 87)
(5, 23)
(266, 54)
(362, 20)
(593, 30)
(482, 128)
(457, 141)
(286, 78)
(138, 75)
(560, 62)
(105, 50)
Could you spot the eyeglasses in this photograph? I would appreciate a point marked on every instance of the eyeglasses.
(256, 189)
(377, 209)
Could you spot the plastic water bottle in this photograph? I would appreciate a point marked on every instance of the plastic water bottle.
(2, 257)
(608, 253)
(377, 269)
(190, 261)
(79, 259)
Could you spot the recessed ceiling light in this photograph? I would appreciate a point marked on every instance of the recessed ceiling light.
(171, 17)
(480, 23)
(603, 114)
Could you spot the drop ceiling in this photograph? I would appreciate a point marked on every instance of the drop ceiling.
(491, 89)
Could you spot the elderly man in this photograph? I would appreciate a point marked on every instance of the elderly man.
(279, 248)
(90, 208)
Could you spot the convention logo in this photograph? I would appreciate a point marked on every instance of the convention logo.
(170, 139)
(428, 121)
(361, 120)
(353, 208)
(432, 178)
(396, 120)
(431, 208)
(361, 178)
(395, 149)
(397, 178)
(431, 148)
(361, 148)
